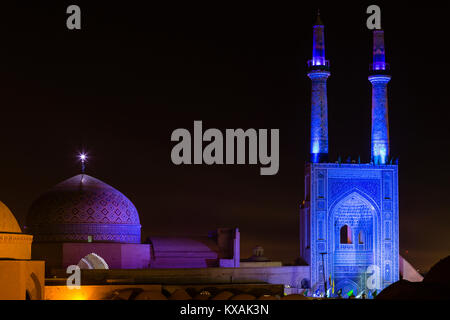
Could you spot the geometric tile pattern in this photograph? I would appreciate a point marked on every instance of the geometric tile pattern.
(84, 206)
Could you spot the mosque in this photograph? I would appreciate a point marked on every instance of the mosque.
(349, 222)
(349, 219)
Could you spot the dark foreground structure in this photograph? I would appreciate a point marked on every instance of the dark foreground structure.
(435, 285)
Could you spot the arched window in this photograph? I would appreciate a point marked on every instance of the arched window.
(346, 235)
(361, 237)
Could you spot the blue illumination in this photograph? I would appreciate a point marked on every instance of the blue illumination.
(380, 152)
(319, 104)
(349, 219)
(319, 115)
(380, 122)
(319, 75)
(379, 66)
(315, 157)
(364, 198)
(318, 54)
(317, 61)
(315, 147)
(382, 79)
(379, 56)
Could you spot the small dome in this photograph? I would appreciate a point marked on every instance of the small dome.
(83, 208)
(8, 223)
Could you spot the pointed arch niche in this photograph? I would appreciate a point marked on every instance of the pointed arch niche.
(354, 229)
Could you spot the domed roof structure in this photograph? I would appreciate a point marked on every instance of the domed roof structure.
(13, 243)
(8, 223)
(83, 208)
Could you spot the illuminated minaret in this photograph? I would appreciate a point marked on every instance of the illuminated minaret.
(318, 72)
(348, 223)
(379, 77)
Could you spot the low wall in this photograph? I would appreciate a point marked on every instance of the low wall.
(129, 292)
(116, 255)
(289, 276)
(97, 292)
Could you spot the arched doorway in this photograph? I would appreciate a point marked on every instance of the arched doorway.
(353, 232)
(347, 286)
(34, 289)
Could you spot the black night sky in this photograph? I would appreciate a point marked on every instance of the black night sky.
(133, 74)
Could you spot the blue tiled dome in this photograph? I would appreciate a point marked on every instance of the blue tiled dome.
(80, 207)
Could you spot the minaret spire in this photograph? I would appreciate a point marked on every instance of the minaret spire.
(379, 77)
(318, 20)
(318, 72)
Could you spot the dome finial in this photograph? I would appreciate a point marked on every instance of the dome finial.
(83, 158)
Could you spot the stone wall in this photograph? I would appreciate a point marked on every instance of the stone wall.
(19, 278)
(291, 276)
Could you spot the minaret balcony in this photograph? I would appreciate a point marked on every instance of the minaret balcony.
(378, 69)
(314, 65)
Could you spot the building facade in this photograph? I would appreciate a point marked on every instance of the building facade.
(349, 218)
(84, 221)
(21, 278)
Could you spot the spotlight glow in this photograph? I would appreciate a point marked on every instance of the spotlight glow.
(83, 158)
